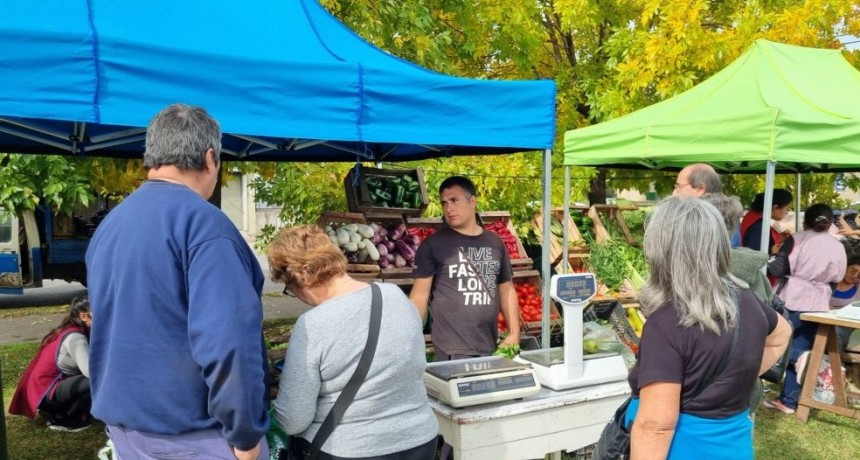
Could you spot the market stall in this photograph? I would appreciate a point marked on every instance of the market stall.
(289, 83)
(775, 108)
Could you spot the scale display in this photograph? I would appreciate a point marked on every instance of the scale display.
(575, 288)
(495, 384)
(448, 370)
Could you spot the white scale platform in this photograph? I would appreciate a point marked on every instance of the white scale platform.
(563, 368)
(467, 382)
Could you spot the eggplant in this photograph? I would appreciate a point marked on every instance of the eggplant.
(389, 257)
(397, 232)
(405, 250)
(383, 249)
(411, 240)
(352, 257)
(399, 261)
(376, 238)
(391, 246)
(383, 262)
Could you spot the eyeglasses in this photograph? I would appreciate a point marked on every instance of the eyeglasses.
(287, 291)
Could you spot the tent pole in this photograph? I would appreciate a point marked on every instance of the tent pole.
(544, 258)
(565, 261)
(767, 208)
(797, 192)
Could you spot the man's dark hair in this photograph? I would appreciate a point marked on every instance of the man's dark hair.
(704, 176)
(781, 198)
(458, 181)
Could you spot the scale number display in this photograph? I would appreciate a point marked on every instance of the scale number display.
(575, 288)
(491, 385)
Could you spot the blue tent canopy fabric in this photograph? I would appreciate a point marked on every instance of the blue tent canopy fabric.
(286, 80)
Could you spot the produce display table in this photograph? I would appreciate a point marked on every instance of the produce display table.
(549, 422)
(825, 339)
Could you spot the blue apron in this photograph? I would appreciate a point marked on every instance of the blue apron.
(727, 438)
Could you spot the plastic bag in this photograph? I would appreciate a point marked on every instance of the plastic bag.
(106, 452)
(602, 338)
(823, 391)
(279, 442)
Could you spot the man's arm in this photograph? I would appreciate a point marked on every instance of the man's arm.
(225, 328)
(510, 307)
(420, 295)
(654, 426)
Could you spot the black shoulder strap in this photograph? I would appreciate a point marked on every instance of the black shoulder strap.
(351, 388)
(724, 362)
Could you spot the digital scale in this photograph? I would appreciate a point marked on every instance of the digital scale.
(466, 382)
(566, 367)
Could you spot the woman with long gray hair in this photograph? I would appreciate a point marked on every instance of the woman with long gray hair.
(693, 309)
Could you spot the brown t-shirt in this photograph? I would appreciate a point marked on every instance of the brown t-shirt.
(688, 355)
(466, 272)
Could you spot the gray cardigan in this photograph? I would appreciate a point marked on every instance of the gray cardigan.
(390, 413)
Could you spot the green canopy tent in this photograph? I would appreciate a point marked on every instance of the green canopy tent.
(777, 107)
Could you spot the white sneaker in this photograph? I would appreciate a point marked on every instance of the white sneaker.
(800, 366)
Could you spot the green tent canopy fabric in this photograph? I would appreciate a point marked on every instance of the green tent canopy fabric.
(799, 107)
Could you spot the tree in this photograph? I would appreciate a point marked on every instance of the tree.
(61, 182)
(608, 58)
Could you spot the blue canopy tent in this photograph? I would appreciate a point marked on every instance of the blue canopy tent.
(286, 80)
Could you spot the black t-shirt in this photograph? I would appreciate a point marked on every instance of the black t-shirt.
(466, 272)
(671, 353)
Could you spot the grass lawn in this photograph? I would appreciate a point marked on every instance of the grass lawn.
(777, 436)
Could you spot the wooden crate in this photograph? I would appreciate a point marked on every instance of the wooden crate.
(522, 262)
(358, 197)
(576, 259)
(413, 223)
(389, 221)
(363, 272)
(556, 250)
(613, 213)
(533, 278)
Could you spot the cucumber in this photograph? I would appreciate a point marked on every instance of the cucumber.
(371, 250)
(342, 236)
(364, 230)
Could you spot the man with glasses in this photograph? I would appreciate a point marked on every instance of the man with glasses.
(696, 180)
(177, 360)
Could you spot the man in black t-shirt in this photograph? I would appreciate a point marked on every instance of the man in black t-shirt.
(466, 272)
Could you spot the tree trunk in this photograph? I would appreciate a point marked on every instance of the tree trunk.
(597, 194)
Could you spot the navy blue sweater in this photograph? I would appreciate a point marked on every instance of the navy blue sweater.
(176, 342)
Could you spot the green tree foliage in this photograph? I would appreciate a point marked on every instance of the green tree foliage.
(608, 58)
(24, 179)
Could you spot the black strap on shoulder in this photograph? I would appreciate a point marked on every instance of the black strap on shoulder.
(724, 362)
(351, 388)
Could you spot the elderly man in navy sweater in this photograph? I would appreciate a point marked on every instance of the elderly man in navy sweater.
(177, 359)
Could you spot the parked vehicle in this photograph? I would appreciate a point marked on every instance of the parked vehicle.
(39, 245)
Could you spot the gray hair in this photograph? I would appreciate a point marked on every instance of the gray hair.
(687, 250)
(703, 175)
(179, 136)
(729, 206)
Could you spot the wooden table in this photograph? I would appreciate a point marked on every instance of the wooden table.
(825, 339)
(548, 422)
